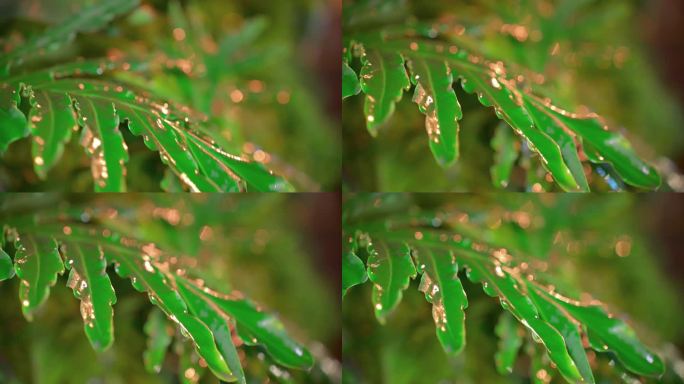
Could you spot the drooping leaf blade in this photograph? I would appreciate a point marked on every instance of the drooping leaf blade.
(219, 323)
(437, 100)
(37, 263)
(391, 269)
(52, 122)
(443, 288)
(350, 82)
(563, 136)
(615, 336)
(555, 316)
(89, 280)
(104, 144)
(612, 147)
(492, 93)
(259, 328)
(12, 120)
(501, 284)
(353, 269)
(383, 79)
(146, 277)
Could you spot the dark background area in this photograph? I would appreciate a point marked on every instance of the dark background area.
(664, 26)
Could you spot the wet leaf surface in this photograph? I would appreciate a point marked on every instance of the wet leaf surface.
(37, 263)
(383, 79)
(83, 95)
(390, 269)
(554, 135)
(557, 326)
(212, 325)
(443, 288)
(437, 100)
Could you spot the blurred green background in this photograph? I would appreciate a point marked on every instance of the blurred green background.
(624, 250)
(620, 58)
(282, 251)
(260, 70)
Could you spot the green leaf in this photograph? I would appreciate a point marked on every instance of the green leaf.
(257, 328)
(90, 240)
(350, 82)
(491, 92)
(612, 148)
(383, 80)
(437, 100)
(12, 120)
(37, 263)
(440, 245)
(219, 323)
(90, 282)
(391, 270)
(563, 136)
(607, 333)
(500, 283)
(103, 106)
(555, 135)
(509, 343)
(104, 144)
(88, 19)
(552, 313)
(6, 267)
(442, 288)
(506, 148)
(146, 277)
(158, 341)
(353, 269)
(52, 122)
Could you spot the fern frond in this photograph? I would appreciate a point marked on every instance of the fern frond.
(45, 243)
(427, 54)
(443, 255)
(51, 104)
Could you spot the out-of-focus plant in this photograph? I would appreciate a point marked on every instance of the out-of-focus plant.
(537, 256)
(525, 60)
(173, 76)
(190, 256)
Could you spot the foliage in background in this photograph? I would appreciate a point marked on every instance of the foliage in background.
(537, 255)
(568, 53)
(173, 249)
(199, 89)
